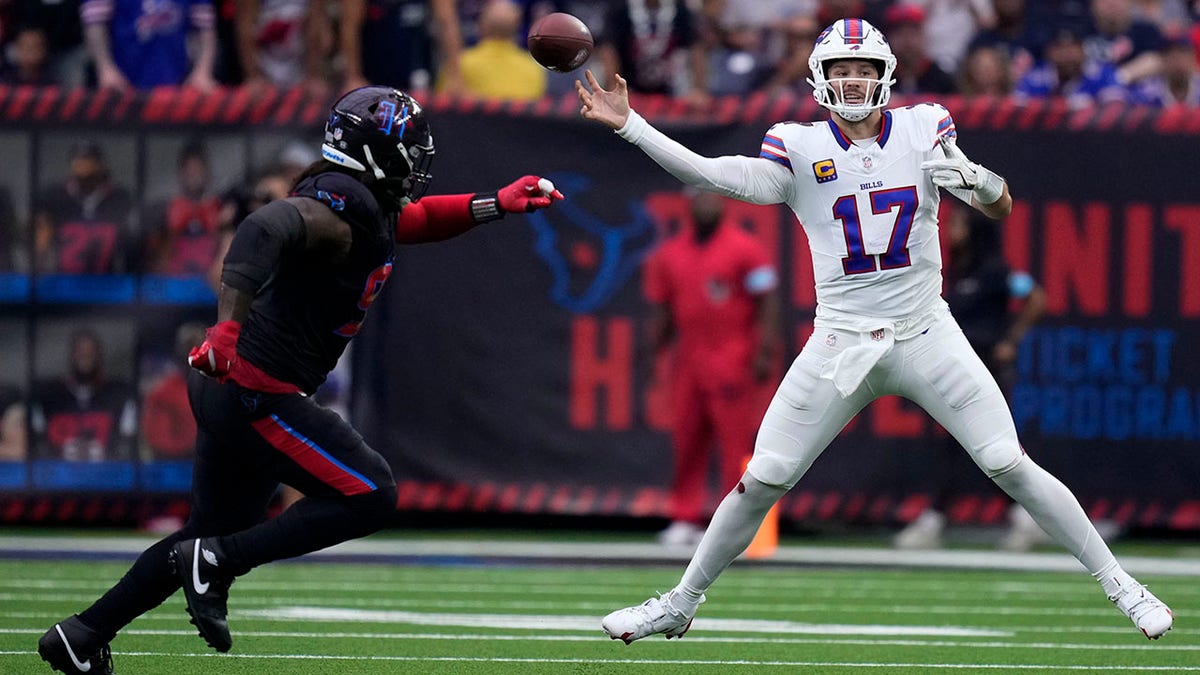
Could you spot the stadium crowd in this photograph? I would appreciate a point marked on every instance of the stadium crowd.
(1087, 51)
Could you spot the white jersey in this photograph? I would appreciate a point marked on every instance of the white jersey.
(870, 213)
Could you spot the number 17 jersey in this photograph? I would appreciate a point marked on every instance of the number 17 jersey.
(869, 212)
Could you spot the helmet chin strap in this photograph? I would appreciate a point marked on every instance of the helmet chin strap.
(853, 116)
(379, 174)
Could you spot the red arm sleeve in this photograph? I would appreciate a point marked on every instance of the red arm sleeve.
(435, 218)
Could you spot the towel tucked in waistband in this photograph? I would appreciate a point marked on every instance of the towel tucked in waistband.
(850, 368)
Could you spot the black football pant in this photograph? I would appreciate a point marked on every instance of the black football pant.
(247, 443)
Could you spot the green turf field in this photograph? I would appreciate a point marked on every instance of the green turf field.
(486, 619)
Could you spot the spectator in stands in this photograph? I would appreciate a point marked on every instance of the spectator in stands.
(27, 59)
(398, 43)
(84, 416)
(1069, 73)
(1170, 16)
(743, 41)
(1014, 36)
(236, 205)
(1134, 46)
(986, 72)
(283, 43)
(59, 23)
(496, 67)
(13, 433)
(871, 10)
(183, 232)
(82, 226)
(799, 34)
(139, 45)
(915, 72)
(950, 25)
(652, 44)
(168, 426)
(1179, 82)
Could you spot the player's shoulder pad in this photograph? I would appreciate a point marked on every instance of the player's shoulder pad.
(780, 139)
(929, 120)
(344, 195)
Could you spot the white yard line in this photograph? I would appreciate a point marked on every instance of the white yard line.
(690, 639)
(672, 662)
(616, 552)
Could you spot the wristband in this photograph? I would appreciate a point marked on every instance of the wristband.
(989, 187)
(486, 207)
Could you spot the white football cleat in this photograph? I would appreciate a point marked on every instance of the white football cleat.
(681, 533)
(656, 615)
(1024, 534)
(1147, 612)
(923, 533)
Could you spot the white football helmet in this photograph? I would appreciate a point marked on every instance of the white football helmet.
(851, 39)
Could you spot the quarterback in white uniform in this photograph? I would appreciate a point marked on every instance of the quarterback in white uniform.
(865, 186)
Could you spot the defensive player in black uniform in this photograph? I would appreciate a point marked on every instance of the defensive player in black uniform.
(297, 281)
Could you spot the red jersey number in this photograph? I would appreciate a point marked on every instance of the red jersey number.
(375, 281)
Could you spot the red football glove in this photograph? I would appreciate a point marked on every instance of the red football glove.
(527, 194)
(215, 356)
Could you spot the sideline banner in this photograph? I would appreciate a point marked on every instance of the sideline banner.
(508, 369)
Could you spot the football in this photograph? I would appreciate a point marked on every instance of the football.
(560, 42)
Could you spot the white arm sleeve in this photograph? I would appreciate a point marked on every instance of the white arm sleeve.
(749, 179)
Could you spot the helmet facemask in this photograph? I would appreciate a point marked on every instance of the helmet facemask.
(853, 98)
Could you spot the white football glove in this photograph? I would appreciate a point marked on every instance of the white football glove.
(957, 173)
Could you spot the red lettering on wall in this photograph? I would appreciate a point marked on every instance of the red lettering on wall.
(669, 210)
(892, 417)
(1139, 250)
(1076, 262)
(601, 364)
(1186, 221)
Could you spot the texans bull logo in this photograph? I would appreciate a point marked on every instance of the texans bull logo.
(589, 258)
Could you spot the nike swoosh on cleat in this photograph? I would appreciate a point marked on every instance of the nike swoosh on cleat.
(83, 667)
(201, 588)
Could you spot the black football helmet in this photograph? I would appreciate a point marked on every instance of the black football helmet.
(382, 132)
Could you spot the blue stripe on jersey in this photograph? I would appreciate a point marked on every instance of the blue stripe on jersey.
(777, 159)
(771, 140)
(839, 136)
(886, 132)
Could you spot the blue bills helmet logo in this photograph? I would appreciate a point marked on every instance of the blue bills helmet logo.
(825, 171)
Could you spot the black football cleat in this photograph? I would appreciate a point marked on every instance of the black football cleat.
(206, 587)
(71, 647)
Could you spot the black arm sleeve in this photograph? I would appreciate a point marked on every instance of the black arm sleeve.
(259, 243)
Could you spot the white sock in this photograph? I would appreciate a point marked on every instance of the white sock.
(1056, 511)
(733, 527)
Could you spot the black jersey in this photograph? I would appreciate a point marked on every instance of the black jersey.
(304, 316)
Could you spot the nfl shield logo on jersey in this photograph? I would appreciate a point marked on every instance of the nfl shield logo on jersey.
(877, 334)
